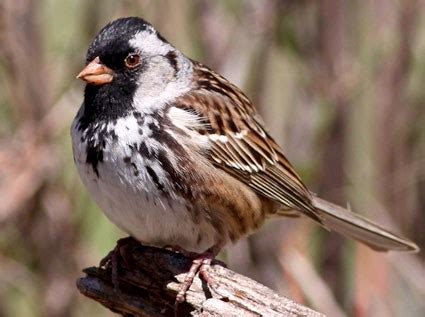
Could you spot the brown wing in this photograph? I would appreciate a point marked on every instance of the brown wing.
(240, 144)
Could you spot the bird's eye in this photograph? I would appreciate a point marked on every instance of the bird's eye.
(132, 60)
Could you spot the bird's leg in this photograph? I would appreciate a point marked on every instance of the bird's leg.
(201, 263)
(113, 258)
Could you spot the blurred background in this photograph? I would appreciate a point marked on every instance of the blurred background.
(341, 85)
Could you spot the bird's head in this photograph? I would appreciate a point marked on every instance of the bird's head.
(129, 57)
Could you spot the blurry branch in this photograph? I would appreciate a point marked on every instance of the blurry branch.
(215, 41)
(32, 159)
(26, 173)
(31, 193)
(30, 155)
(312, 285)
(412, 269)
(268, 20)
(23, 54)
(392, 146)
(151, 278)
(330, 63)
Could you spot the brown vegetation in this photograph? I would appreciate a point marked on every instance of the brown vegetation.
(340, 85)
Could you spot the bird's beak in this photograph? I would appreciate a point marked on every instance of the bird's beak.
(95, 73)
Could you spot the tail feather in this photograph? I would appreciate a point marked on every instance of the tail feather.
(359, 228)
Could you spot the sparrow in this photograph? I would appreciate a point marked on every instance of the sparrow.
(176, 155)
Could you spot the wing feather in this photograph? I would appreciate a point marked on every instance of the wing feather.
(239, 143)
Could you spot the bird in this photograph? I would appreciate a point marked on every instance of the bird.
(176, 155)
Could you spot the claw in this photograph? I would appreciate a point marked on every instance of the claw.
(115, 257)
(201, 264)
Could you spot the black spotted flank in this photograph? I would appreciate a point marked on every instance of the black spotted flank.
(154, 178)
(127, 160)
(145, 151)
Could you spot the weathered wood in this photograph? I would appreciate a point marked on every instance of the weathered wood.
(150, 279)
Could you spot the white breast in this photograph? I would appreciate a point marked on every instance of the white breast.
(129, 196)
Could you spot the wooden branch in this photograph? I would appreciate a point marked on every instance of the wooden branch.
(148, 283)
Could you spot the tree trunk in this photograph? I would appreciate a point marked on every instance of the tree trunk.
(149, 279)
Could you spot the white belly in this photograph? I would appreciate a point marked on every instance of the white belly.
(135, 204)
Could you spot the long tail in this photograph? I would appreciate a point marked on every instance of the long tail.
(359, 228)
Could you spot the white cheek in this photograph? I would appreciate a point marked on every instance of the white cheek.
(159, 83)
(158, 87)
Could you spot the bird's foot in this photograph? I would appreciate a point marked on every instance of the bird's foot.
(118, 256)
(201, 263)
